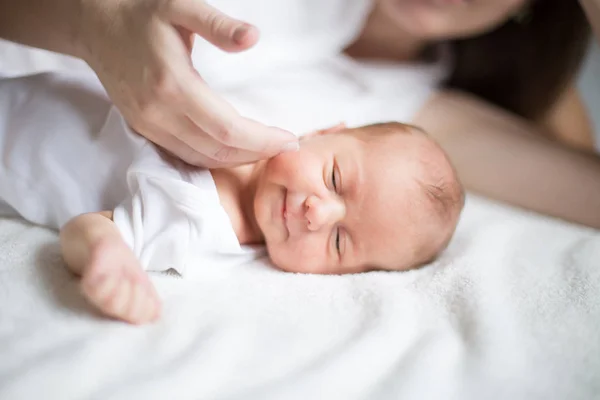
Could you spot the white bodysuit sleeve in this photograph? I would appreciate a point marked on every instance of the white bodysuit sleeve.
(157, 232)
(163, 218)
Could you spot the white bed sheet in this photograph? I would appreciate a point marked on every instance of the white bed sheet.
(512, 310)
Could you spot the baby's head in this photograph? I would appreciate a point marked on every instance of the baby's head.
(379, 197)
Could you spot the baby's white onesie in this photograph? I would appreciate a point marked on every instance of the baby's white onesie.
(65, 150)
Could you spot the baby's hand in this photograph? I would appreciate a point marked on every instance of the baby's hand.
(115, 283)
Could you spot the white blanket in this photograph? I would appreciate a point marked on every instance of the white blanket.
(511, 311)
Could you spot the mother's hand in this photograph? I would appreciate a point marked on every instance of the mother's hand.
(140, 50)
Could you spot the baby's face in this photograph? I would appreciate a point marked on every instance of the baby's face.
(344, 205)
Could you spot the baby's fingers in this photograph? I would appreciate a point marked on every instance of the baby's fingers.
(99, 288)
(118, 303)
(144, 306)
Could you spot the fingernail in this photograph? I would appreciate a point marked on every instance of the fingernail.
(290, 147)
(238, 35)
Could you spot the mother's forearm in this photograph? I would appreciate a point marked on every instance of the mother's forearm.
(49, 24)
(501, 156)
(592, 9)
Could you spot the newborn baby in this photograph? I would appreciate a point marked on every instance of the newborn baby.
(350, 200)
(379, 197)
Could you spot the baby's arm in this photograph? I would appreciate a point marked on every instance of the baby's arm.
(112, 278)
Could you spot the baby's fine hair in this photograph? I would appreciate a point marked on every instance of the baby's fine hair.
(440, 184)
(447, 198)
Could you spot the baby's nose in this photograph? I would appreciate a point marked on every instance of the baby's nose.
(322, 213)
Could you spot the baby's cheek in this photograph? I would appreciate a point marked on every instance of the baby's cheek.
(286, 168)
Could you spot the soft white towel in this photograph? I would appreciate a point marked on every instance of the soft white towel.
(511, 311)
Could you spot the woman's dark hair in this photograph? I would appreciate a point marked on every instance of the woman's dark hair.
(525, 64)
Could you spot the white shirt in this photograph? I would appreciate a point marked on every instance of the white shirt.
(293, 34)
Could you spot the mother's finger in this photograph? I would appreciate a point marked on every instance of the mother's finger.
(220, 155)
(172, 145)
(182, 138)
(218, 28)
(219, 119)
(200, 142)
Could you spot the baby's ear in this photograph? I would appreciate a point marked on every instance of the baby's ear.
(336, 128)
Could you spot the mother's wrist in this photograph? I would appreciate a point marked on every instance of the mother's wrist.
(91, 25)
(78, 25)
